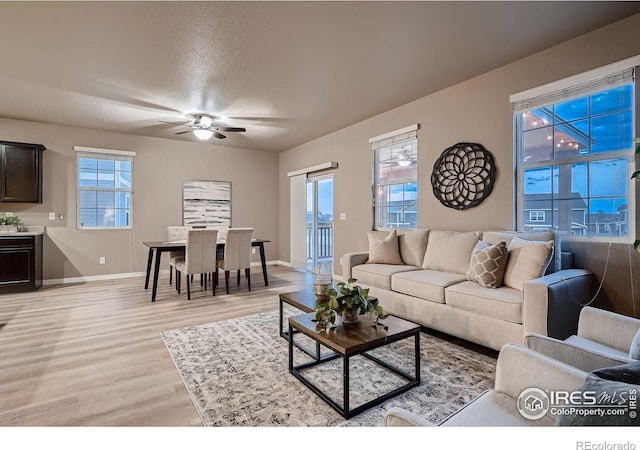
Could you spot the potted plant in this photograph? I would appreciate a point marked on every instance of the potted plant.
(350, 301)
(10, 223)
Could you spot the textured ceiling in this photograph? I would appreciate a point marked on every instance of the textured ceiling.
(287, 71)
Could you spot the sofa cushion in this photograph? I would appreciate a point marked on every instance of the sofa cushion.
(384, 251)
(487, 264)
(527, 260)
(425, 284)
(378, 275)
(503, 304)
(450, 251)
(493, 237)
(492, 408)
(413, 245)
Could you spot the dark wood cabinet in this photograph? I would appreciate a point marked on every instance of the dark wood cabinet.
(20, 172)
(20, 263)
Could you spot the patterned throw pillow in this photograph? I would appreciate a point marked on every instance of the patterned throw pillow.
(487, 264)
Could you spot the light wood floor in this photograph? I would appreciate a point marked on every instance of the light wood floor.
(90, 354)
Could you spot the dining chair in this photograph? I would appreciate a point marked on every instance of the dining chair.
(199, 258)
(237, 254)
(175, 233)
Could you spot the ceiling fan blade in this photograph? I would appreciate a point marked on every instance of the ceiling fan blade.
(231, 129)
(184, 132)
(173, 123)
(218, 135)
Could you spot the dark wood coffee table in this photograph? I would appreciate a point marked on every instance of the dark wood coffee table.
(350, 340)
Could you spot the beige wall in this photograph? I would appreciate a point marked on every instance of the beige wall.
(477, 110)
(159, 167)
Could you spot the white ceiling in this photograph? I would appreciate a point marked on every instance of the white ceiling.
(287, 71)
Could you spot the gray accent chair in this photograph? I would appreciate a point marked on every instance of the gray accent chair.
(518, 368)
(603, 339)
(199, 258)
(237, 254)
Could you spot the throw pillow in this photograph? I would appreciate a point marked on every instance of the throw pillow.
(487, 264)
(449, 251)
(634, 351)
(527, 260)
(613, 389)
(413, 244)
(384, 251)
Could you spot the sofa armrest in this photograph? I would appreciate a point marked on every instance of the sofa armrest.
(352, 259)
(398, 417)
(608, 328)
(568, 353)
(519, 368)
(552, 304)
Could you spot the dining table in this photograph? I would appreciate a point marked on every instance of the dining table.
(157, 248)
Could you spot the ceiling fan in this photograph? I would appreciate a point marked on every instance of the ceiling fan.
(204, 128)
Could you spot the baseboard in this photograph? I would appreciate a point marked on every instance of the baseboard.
(116, 276)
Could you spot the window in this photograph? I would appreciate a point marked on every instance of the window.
(536, 216)
(395, 186)
(105, 188)
(574, 149)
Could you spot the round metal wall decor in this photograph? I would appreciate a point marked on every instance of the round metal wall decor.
(463, 176)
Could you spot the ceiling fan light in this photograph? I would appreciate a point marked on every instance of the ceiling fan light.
(203, 134)
(404, 163)
(205, 121)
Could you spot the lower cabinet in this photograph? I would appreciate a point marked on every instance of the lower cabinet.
(20, 263)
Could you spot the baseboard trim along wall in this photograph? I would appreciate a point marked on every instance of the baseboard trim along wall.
(116, 276)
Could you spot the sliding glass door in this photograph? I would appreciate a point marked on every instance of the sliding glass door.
(319, 221)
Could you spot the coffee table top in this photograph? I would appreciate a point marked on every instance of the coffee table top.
(357, 337)
(303, 300)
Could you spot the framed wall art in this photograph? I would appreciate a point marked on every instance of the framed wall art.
(206, 202)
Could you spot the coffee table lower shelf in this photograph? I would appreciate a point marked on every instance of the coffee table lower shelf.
(297, 324)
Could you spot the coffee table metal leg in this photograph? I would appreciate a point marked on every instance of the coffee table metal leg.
(290, 348)
(345, 381)
(417, 349)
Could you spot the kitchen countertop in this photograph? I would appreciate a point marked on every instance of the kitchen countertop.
(33, 231)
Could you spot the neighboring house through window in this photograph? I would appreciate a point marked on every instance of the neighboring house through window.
(104, 188)
(395, 186)
(574, 153)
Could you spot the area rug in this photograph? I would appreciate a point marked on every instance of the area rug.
(236, 372)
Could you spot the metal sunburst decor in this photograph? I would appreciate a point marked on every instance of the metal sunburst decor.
(463, 176)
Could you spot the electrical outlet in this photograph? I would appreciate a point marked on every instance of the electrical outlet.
(343, 216)
(61, 216)
(52, 216)
(341, 261)
(103, 260)
(8, 214)
(253, 251)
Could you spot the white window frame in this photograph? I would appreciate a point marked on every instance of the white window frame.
(563, 90)
(390, 139)
(540, 216)
(104, 154)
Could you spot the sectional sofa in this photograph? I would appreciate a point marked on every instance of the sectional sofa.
(487, 287)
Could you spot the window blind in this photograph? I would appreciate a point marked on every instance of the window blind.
(394, 137)
(580, 89)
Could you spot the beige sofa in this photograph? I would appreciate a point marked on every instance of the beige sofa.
(518, 369)
(428, 284)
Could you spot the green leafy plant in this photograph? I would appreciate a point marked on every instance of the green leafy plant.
(348, 297)
(636, 174)
(11, 220)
